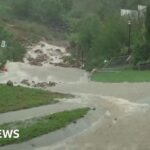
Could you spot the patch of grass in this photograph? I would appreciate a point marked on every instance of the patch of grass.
(122, 76)
(16, 98)
(30, 129)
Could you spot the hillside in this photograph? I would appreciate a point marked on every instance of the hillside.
(62, 21)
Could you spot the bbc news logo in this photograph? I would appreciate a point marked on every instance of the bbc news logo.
(9, 134)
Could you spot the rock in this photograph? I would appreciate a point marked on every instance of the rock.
(33, 82)
(30, 59)
(94, 108)
(41, 85)
(38, 51)
(25, 82)
(10, 83)
(35, 63)
(62, 65)
(58, 50)
(52, 84)
(115, 119)
(39, 60)
(42, 45)
(75, 122)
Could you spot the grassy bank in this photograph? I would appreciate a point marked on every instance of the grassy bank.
(16, 98)
(122, 76)
(30, 129)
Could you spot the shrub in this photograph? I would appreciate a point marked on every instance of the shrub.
(14, 50)
(142, 53)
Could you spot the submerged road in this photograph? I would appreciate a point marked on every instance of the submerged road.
(120, 122)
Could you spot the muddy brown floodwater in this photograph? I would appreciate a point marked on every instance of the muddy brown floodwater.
(121, 119)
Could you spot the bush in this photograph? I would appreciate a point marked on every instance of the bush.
(142, 53)
(14, 50)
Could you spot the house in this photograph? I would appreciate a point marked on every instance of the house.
(134, 14)
(129, 13)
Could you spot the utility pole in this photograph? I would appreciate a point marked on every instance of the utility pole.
(129, 42)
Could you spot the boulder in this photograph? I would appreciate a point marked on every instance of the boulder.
(42, 45)
(41, 85)
(52, 84)
(25, 82)
(38, 51)
(10, 83)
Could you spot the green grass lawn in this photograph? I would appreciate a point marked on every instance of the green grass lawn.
(16, 98)
(32, 128)
(122, 76)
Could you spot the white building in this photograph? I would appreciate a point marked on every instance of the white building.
(129, 13)
(142, 10)
(134, 14)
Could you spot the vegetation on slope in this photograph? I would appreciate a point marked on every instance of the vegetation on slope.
(93, 27)
(14, 50)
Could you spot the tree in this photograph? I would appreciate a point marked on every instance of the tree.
(89, 29)
(22, 8)
(101, 41)
(147, 24)
(45, 11)
(14, 50)
(67, 4)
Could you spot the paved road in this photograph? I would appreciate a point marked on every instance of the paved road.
(53, 138)
(38, 111)
(123, 125)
